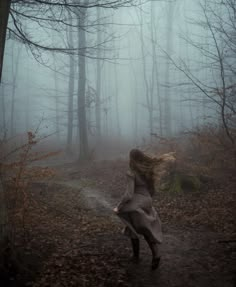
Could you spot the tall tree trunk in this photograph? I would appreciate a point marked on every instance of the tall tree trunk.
(82, 122)
(147, 92)
(70, 92)
(98, 80)
(117, 101)
(155, 76)
(4, 224)
(117, 112)
(14, 84)
(189, 89)
(3, 111)
(27, 98)
(167, 106)
(135, 95)
(56, 99)
(4, 13)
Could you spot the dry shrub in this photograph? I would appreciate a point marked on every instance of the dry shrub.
(210, 153)
(16, 201)
(16, 174)
(204, 154)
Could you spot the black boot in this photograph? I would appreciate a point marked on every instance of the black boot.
(155, 258)
(155, 262)
(135, 246)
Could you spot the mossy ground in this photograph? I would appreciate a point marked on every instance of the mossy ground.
(178, 183)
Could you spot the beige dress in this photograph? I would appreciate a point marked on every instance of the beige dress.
(137, 212)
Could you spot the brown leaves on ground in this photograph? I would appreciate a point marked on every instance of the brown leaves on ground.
(76, 268)
(213, 206)
(76, 246)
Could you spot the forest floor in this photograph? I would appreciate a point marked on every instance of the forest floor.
(73, 237)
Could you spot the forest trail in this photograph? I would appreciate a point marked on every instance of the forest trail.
(190, 256)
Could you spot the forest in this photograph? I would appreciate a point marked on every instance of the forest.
(84, 82)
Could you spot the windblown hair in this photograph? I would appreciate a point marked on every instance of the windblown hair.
(150, 169)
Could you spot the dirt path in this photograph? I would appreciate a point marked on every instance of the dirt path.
(190, 256)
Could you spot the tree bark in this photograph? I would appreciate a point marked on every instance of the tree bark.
(155, 76)
(4, 127)
(14, 84)
(56, 99)
(135, 96)
(70, 92)
(149, 98)
(98, 80)
(82, 121)
(4, 13)
(167, 102)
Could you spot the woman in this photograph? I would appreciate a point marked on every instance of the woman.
(136, 207)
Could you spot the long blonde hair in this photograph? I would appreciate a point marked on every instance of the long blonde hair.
(150, 169)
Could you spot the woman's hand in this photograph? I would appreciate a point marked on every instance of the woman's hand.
(115, 210)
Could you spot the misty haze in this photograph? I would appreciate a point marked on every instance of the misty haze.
(83, 83)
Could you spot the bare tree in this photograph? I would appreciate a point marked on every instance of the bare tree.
(135, 100)
(155, 87)
(53, 16)
(169, 37)
(70, 89)
(222, 31)
(116, 86)
(3, 112)
(117, 101)
(4, 13)
(98, 80)
(15, 69)
(47, 15)
(57, 122)
(219, 56)
(82, 121)
(148, 93)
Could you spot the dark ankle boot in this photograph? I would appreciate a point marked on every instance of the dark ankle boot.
(135, 246)
(154, 248)
(155, 262)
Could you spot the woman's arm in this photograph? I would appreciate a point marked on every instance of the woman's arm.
(128, 193)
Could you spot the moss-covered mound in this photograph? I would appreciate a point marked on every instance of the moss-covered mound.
(178, 182)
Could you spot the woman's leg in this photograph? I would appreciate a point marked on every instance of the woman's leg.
(135, 247)
(155, 255)
(134, 242)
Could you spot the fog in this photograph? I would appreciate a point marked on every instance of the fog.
(117, 115)
(150, 69)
